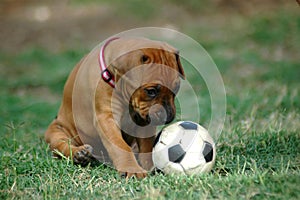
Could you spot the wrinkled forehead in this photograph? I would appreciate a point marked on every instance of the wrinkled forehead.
(154, 74)
(161, 68)
(142, 43)
(125, 46)
(160, 55)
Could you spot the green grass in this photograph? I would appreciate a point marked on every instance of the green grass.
(258, 153)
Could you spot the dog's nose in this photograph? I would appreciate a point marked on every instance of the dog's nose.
(158, 115)
(162, 116)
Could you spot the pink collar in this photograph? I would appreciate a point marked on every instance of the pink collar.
(106, 75)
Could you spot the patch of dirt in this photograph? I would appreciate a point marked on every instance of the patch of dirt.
(57, 25)
(53, 26)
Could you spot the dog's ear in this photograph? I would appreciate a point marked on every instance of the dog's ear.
(180, 68)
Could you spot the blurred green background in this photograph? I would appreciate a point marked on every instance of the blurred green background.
(255, 45)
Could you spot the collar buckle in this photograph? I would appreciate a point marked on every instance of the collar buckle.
(106, 74)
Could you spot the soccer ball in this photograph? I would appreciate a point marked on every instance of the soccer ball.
(184, 148)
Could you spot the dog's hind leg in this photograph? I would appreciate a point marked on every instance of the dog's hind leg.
(62, 142)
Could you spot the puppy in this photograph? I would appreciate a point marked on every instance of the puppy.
(113, 99)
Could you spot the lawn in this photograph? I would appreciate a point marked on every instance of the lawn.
(258, 152)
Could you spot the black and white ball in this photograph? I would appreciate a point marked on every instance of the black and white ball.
(184, 148)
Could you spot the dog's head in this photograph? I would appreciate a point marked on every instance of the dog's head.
(153, 102)
(153, 82)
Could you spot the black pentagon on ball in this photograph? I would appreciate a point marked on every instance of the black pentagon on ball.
(208, 152)
(176, 153)
(189, 125)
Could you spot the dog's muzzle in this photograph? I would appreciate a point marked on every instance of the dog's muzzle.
(160, 114)
(157, 115)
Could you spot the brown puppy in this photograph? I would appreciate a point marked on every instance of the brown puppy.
(103, 117)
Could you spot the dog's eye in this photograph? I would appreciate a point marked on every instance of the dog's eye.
(145, 59)
(151, 92)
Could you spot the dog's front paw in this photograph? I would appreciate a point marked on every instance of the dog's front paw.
(136, 172)
(83, 155)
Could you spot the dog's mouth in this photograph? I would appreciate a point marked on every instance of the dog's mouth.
(157, 115)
